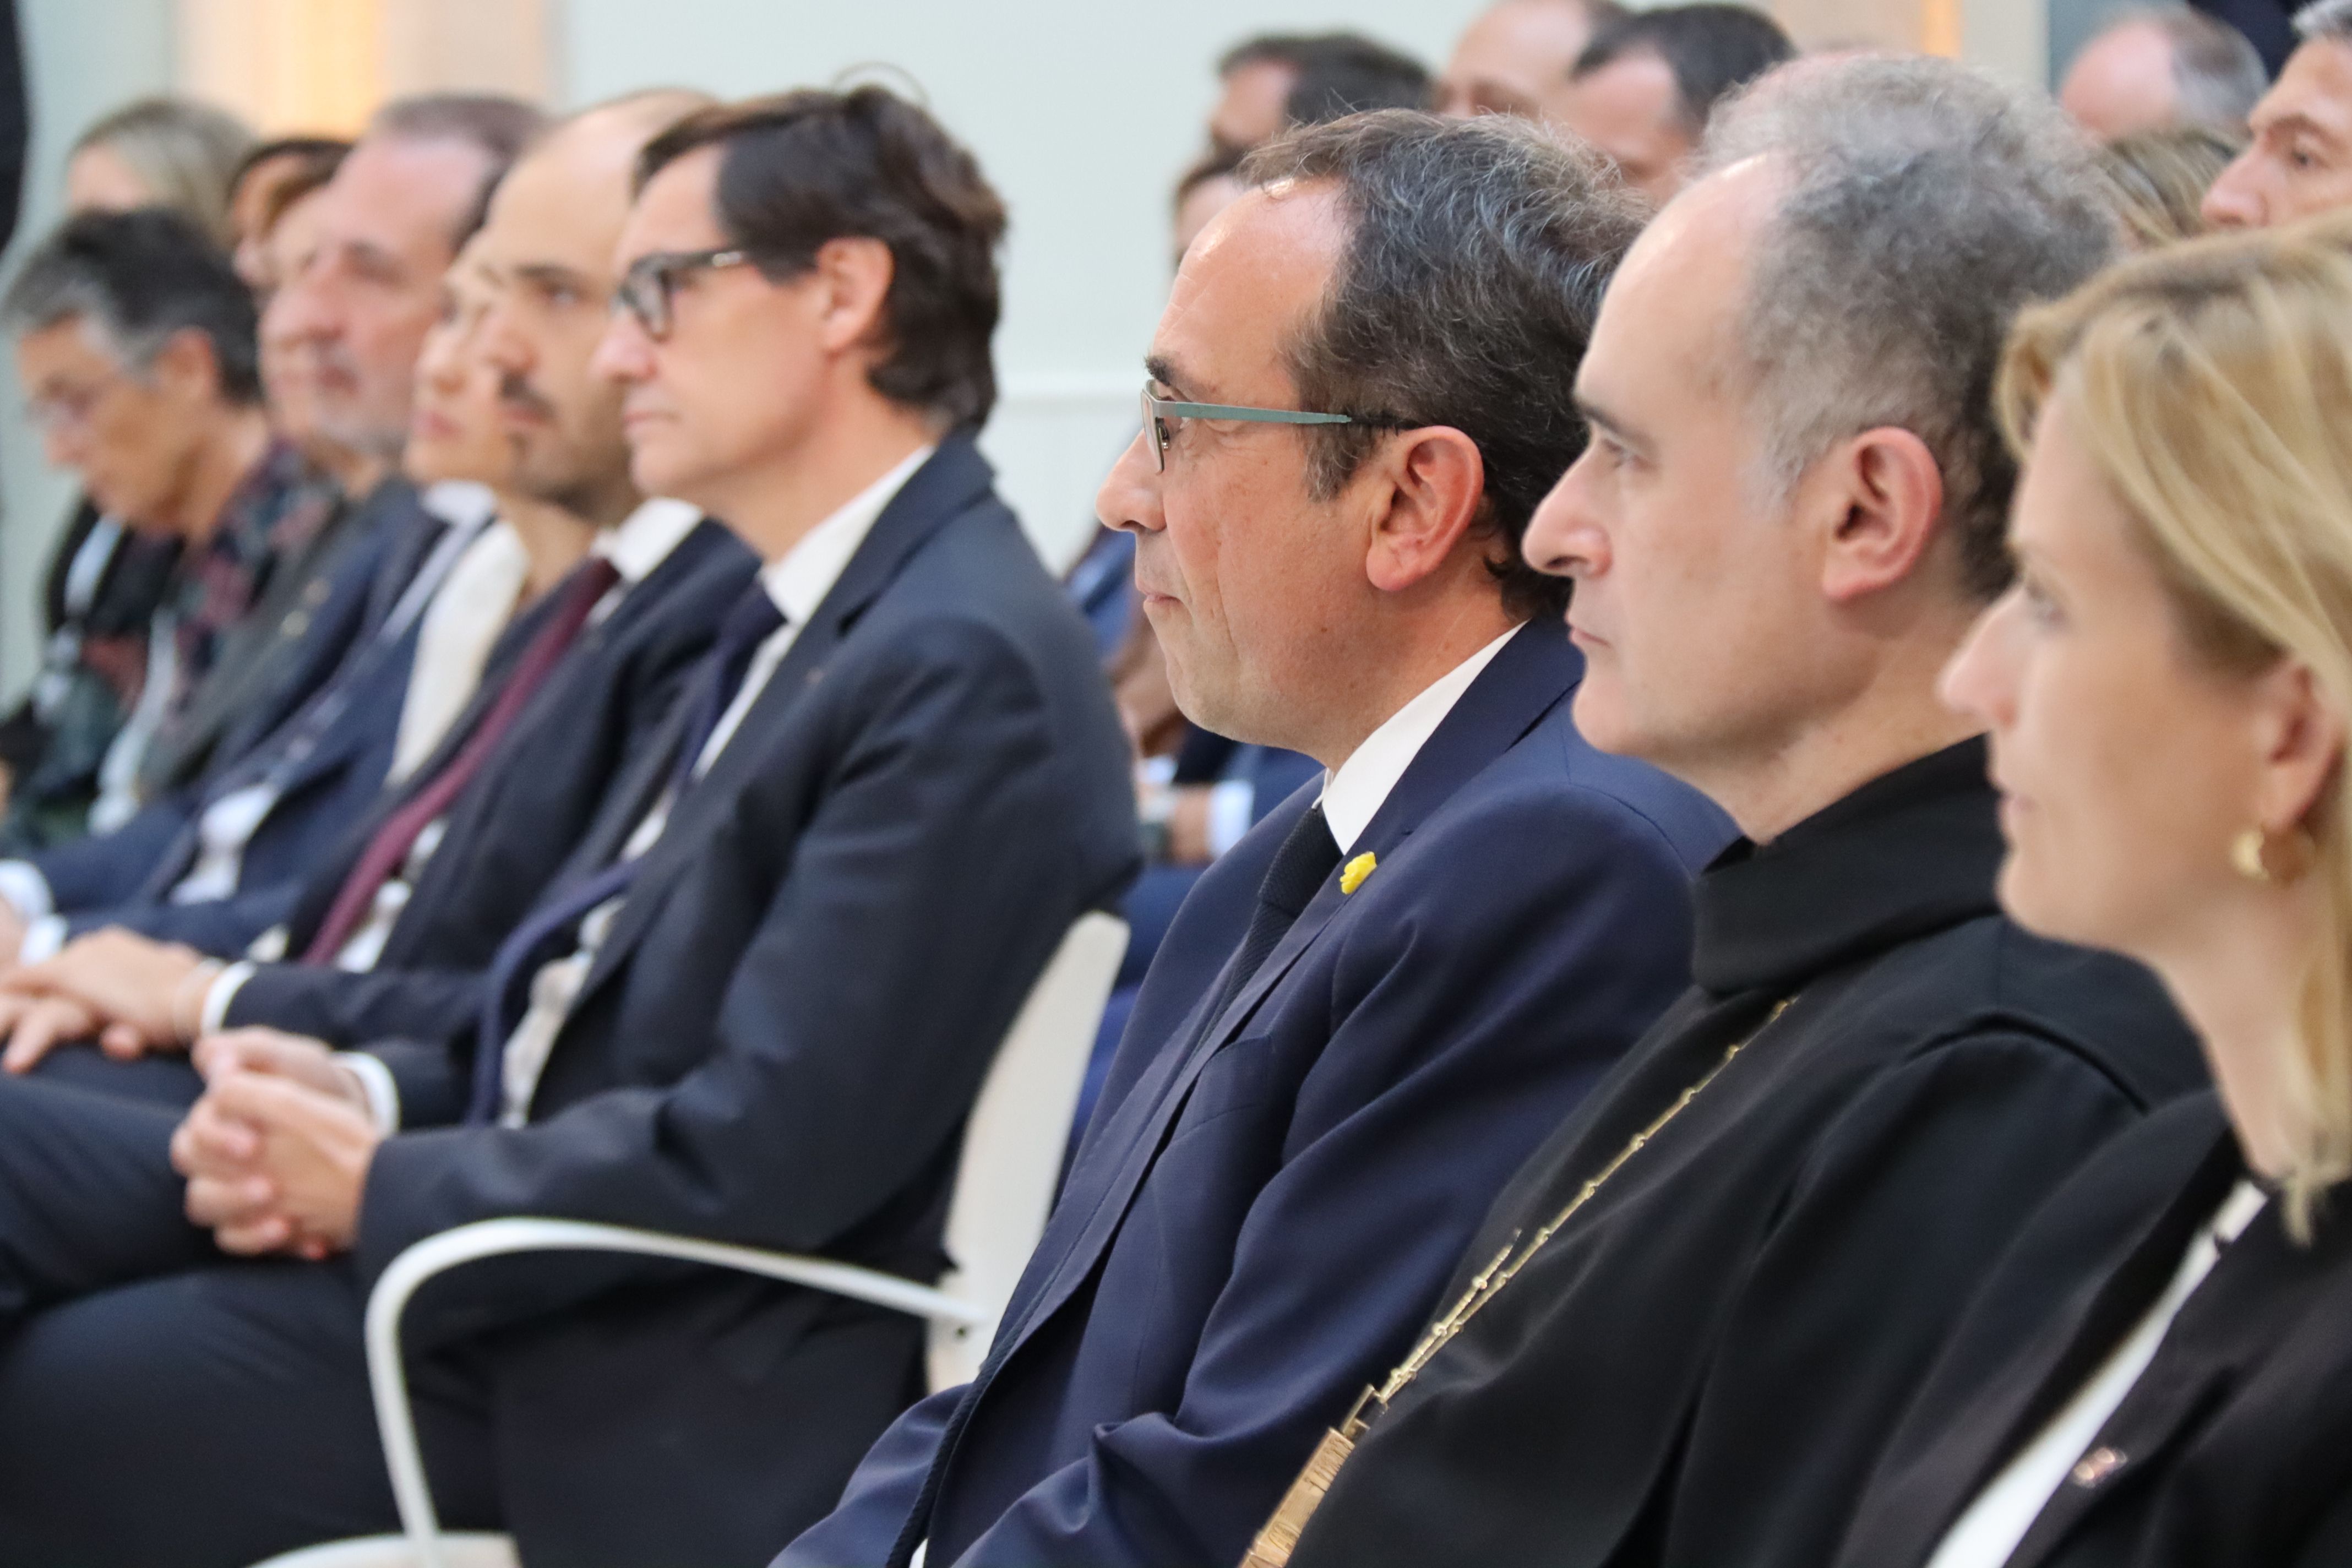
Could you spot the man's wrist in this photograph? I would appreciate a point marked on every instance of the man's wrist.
(187, 1007)
(221, 994)
(379, 1092)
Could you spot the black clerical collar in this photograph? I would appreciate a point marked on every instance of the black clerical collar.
(1908, 854)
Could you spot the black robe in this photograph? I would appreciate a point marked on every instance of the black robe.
(2232, 1450)
(1701, 1368)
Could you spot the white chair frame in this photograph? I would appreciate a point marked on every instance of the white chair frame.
(1066, 1003)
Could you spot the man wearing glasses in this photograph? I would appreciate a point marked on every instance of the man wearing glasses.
(754, 1007)
(1408, 973)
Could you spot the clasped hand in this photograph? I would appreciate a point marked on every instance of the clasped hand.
(128, 991)
(277, 1151)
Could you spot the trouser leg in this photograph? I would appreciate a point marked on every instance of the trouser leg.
(212, 1419)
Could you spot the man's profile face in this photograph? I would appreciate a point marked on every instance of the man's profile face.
(357, 309)
(1691, 585)
(733, 386)
(2121, 84)
(1632, 111)
(1250, 111)
(2300, 160)
(1238, 567)
(546, 252)
(1515, 59)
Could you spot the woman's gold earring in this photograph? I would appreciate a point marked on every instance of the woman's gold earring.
(2257, 856)
(2246, 855)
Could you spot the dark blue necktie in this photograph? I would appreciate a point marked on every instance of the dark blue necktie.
(752, 621)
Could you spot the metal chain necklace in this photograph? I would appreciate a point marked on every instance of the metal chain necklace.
(1274, 1543)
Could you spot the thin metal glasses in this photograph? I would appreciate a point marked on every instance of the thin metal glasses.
(649, 290)
(1163, 417)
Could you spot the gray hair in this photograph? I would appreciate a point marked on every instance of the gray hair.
(1476, 255)
(497, 127)
(186, 152)
(2325, 19)
(1925, 204)
(2217, 76)
(138, 279)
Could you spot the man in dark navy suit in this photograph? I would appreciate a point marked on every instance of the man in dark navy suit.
(1448, 937)
(755, 1005)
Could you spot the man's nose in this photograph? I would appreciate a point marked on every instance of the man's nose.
(1130, 496)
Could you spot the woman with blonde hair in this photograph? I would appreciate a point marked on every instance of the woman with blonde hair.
(2160, 1370)
(161, 152)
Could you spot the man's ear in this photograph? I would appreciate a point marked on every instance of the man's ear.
(185, 369)
(1886, 494)
(1428, 483)
(852, 278)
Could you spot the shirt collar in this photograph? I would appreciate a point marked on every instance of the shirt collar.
(800, 579)
(1354, 795)
(644, 538)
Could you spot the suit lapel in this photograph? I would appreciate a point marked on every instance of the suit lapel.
(1526, 679)
(951, 483)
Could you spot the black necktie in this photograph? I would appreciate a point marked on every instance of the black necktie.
(751, 622)
(1298, 872)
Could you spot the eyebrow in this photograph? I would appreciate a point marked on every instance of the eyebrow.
(1162, 369)
(2297, 124)
(547, 273)
(1599, 418)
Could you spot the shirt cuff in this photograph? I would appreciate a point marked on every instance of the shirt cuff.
(220, 994)
(26, 890)
(1231, 805)
(376, 1083)
(42, 939)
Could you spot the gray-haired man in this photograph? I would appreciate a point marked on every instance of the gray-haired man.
(2300, 161)
(2157, 69)
(1692, 1316)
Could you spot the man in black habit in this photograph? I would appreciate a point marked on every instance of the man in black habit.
(1691, 1318)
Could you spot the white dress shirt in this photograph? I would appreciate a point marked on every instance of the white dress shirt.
(1354, 792)
(636, 548)
(1988, 1533)
(798, 581)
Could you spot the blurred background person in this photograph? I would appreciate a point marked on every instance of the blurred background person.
(2161, 70)
(271, 177)
(2299, 159)
(1276, 80)
(159, 152)
(2156, 1373)
(135, 345)
(2157, 180)
(1515, 57)
(1644, 89)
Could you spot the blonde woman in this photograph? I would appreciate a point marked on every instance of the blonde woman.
(159, 152)
(2160, 1371)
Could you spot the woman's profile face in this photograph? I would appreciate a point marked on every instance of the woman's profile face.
(453, 430)
(2126, 765)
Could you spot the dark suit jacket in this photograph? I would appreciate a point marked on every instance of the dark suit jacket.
(778, 1044)
(282, 649)
(124, 878)
(2236, 1442)
(1265, 1204)
(509, 831)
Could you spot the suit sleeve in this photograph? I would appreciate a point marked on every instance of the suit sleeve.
(224, 928)
(1466, 1026)
(355, 1010)
(914, 908)
(1976, 1131)
(99, 872)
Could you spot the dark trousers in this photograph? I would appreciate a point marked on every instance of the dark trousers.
(160, 1401)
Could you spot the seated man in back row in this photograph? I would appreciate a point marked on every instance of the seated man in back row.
(755, 1007)
(1374, 1005)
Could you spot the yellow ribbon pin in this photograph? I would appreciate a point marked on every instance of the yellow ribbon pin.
(1352, 874)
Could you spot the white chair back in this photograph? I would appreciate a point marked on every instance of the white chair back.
(1011, 1159)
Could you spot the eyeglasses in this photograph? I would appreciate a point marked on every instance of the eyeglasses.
(649, 290)
(1163, 417)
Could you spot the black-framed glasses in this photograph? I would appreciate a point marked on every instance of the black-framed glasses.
(649, 290)
(1162, 417)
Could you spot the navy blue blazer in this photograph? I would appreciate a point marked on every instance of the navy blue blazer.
(777, 1043)
(122, 878)
(509, 831)
(1265, 1205)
